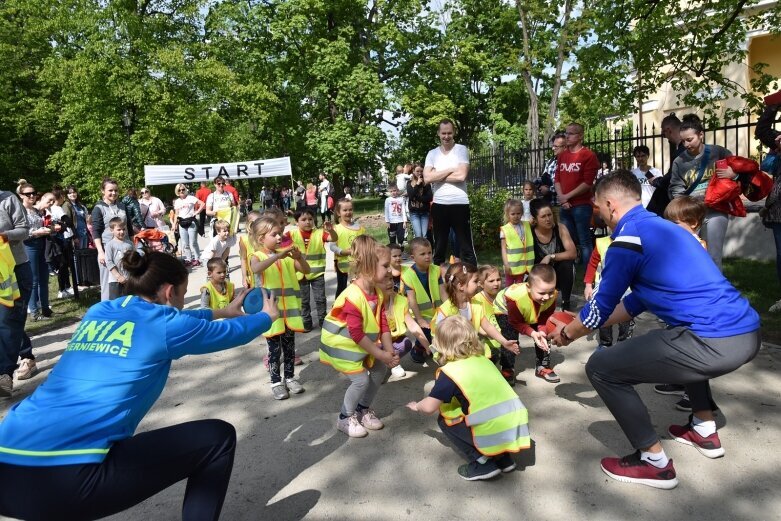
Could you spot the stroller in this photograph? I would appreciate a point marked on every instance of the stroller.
(152, 239)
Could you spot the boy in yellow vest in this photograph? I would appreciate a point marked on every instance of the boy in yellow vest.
(422, 284)
(218, 291)
(479, 413)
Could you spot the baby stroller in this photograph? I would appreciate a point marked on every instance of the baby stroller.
(153, 239)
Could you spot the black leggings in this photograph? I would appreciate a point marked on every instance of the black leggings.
(134, 469)
(565, 278)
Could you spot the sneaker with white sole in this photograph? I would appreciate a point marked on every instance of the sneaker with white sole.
(6, 386)
(279, 391)
(351, 427)
(27, 369)
(475, 471)
(369, 420)
(294, 386)
(709, 446)
(675, 389)
(505, 462)
(632, 469)
(398, 372)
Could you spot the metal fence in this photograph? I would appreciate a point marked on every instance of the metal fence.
(511, 168)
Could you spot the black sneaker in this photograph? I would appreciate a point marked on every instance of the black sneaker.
(476, 471)
(505, 462)
(418, 355)
(686, 406)
(670, 389)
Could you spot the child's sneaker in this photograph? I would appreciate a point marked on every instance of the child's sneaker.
(294, 386)
(398, 372)
(476, 471)
(351, 427)
(369, 420)
(509, 376)
(418, 355)
(709, 447)
(547, 374)
(505, 462)
(279, 391)
(631, 469)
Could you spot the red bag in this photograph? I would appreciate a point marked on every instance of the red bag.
(723, 195)
(759, 187)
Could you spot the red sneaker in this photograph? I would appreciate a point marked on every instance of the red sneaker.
(547, 374)
(709, 447)
(631, 469)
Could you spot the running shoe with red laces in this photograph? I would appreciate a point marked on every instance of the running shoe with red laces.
(547, 374)
(631, 469)
(709, 447)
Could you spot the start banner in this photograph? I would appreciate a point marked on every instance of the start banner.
(173, 174)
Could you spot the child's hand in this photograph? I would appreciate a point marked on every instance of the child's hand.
(412, 406)
(328, 226)
(540, 339)
(588, 291)
(422, 323)
(507, 270)
(295, 253)
(512, 346)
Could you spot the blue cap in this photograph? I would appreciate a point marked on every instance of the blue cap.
(253, 302)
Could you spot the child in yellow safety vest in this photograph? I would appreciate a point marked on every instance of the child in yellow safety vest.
(461, 282)
(246, 249)
(347, 231)
(520, 309)
(517, 243)
(490, 284)
(311, 242)
(402, 326)
(423, 286)
(218, 291)
(276, 269)
(479, 413)
(355, 339)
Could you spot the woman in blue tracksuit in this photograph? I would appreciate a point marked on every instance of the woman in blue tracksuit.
(74, 436)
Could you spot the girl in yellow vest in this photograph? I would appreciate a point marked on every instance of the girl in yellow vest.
(218, 291)
(356, 340)
(461, 283)
(490, 286)
(246, 249)
(403, 328)
(517, 243)
(347, 231)
(276, 269)
(479, 413)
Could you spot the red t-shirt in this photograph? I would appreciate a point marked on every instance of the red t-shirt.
(352, 315)
(575, 168)
(203, 193)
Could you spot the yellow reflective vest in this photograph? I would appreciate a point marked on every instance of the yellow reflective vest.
(280, 279)
(519, 293)
(395, 311)
(496, 416)
(250, 249)
(219, 300)
(337, 347)
(345, 238)
(410, 281)
(488, 311)
(9, 289)
(603, 243)
(520, 249)
(476, 312)
(314, 252)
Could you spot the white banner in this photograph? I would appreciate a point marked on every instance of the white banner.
(173, 174)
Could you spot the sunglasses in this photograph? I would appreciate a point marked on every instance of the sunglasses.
(29, 194)
(180, 191)
(144, 191)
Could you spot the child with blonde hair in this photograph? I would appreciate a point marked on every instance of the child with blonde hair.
(276, 269)
(347, 229)
(517, 243)
(490, 286)
(220, 244)
(479, 413)
(246, 249)
(356, 339)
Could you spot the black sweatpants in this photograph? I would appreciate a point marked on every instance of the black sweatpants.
(134, 469)
(396, 233)
(456, 216)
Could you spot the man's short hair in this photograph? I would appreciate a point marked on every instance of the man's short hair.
(620, 182)
(671, 120)
(216, 262)
(642, 149)
(578, 126)
(446, 121)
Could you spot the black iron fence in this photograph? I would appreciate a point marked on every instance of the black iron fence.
(511, 168)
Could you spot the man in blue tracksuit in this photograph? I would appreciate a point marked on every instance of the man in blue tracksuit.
(712, 330)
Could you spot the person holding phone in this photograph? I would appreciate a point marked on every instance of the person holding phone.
(645, 173)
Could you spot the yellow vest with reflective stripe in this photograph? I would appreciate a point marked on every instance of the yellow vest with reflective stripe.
(520, 250)
(337, 348)
(476, 312)
(497, 418)
(410, 280)
(280, 279)
(602, 245)
(488, 311)
(250, 249)
(314, 253)
(345, 238)
(396, 314)
(218, 300)
(9, 289)
(519, 293)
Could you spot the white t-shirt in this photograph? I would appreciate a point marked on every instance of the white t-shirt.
(647, 189)
(444, 192)
(149, 207)
(218, 201)
(185, 208)
(323, 190)
(401, 182)
(216, 247)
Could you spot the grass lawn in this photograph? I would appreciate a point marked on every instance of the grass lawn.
(66, 311)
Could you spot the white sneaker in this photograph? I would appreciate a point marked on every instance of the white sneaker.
(27, 369)
(369, 420)
(351, 427)
(398, 372)
(6, 386)
(294, 386)
(775, 307)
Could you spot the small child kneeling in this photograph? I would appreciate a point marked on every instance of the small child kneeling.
(479, 412)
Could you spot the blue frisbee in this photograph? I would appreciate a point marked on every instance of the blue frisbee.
(253, 302)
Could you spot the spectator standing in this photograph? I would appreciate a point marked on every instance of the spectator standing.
(577, 168)
(324, 190)
(186, 211)
(546, 184)
(403, 176)
(64, 246)
(395, 216)
(232, 190)
(645, 173)
(771, 138)
(671, 129)
(77, 213)
(299, 193)
(218, 200)
(105, 210)
(35, 247)
(134, 217)
(152, 209)
(419, 196)
(553, 245)
(202, 194)
(446, 169)
(310, 200)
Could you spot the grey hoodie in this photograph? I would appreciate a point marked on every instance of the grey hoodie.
(13, 223)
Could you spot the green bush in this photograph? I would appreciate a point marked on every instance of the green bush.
(486, 204)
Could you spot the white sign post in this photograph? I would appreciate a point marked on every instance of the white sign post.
(173, 174)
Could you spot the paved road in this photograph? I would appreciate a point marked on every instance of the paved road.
(293, 464)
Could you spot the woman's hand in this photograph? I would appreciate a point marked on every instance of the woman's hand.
(725, 173)
(512, 346)
(545, 260)
(269, 305)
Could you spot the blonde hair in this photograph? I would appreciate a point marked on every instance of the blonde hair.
(485, 270)
(21, 184)
(511, 203)
(366, 254)
(221, 224)
(178, 187)
(457, 339)
(259, 228)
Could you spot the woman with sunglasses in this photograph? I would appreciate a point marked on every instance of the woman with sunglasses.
(105, 210)
(218, 200)
(186, 210)
(35, 246)
(152, 209)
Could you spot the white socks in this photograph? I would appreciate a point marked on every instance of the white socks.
(702, 427)
(657, 459)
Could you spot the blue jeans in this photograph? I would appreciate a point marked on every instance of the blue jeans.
(419, 224)
(189, 242)
(36, 252)
(776, 227)
(578, 222)
(12, 336)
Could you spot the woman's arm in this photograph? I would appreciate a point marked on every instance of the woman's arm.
(569, 253)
